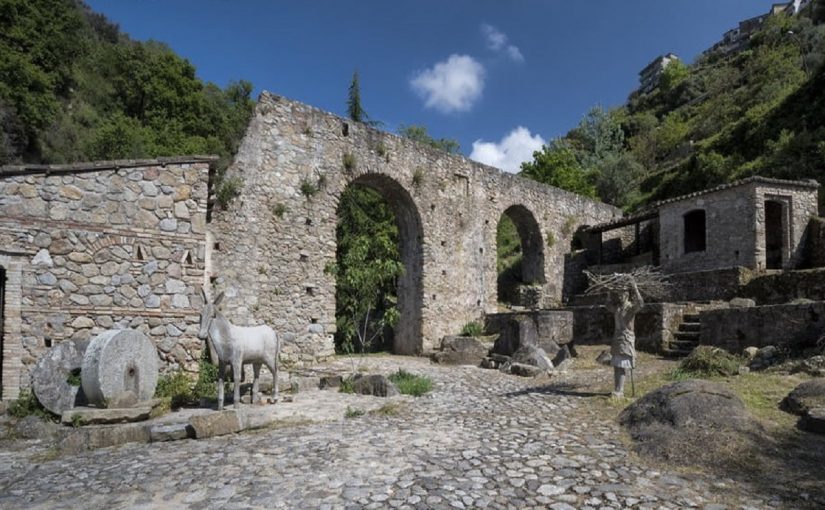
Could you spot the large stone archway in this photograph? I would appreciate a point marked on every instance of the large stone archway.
(275, 240)
(407, 333)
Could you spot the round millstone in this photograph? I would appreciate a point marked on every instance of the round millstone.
(118, 361)
(50, 377)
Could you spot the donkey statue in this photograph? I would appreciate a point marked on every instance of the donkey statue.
(233, 346)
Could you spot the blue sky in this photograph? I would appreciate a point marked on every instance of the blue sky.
(500, 77)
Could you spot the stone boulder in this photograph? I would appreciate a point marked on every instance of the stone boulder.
(461, 350)
(814, 421)
(534, 356)
(522, 370)
(563, 359)
(688, 420)
(815, 366)
(604, 358)
(766, 357)
(806, 396)
(50, 377)
(375, 384)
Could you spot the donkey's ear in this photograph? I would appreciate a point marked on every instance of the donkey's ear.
(219, 299)
(203, 294)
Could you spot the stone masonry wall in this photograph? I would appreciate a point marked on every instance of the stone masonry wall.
(790, 325)
(98, 246)
(274, 242)
(735, 226)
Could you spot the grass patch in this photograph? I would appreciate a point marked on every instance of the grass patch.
(411, 384)
(353, 412)
(74, 378)
(388, 409)
(706, 361)
(346, 386)
(308, 189)
(349, 162)
(473, 329)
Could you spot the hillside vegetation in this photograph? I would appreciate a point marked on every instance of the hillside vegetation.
(74, 88)
(757, 112)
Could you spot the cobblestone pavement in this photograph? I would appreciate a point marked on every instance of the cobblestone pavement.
(479, 440)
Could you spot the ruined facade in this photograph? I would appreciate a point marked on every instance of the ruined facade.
(274, 242)
(90, 247)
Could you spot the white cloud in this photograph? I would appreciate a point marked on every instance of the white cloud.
(498, 42)
(508, 154)
(453, 85)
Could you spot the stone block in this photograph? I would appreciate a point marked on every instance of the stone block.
(217, 423)
(461, 350)
(375, 384)
(170, 432)
(95, 416)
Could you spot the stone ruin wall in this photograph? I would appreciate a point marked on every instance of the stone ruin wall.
(101, 246)
(273, 243)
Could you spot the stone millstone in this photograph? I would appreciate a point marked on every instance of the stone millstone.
(50, 377)
(118, 361)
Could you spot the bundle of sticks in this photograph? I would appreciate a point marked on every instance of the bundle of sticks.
(649, 281)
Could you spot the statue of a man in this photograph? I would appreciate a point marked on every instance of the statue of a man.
(624, 304)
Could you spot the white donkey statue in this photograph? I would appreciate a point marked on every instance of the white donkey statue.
(233, 346)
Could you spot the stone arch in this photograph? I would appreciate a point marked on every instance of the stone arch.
(408, 332)
(532, 247)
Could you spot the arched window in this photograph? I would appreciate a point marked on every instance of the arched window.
(695, 231)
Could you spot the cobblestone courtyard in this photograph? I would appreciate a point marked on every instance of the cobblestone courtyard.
(479, 440)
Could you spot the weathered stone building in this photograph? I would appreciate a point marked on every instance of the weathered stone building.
(90, 247)
(274, 242)
(755, 223)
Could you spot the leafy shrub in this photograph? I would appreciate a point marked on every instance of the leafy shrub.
(279, 210)
(707, 361)
(308, 189)
(228, 190)
(411, 384)
(27, 405)
(353, 412)
(206, 385)
(177, 387)
(346, 386)
(472, 329)
(349, 162)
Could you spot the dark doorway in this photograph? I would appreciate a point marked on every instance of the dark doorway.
(695, 231)
(2, 323)
(774, 234)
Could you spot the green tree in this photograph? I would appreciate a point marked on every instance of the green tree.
(674, 74)
(556, 164)
(366, 269)
(420, 135)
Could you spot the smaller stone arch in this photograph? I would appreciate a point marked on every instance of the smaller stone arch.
(531, 270)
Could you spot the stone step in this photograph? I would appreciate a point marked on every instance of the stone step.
(682, 345)
(675, 353)
(690, 326)
(691, 336)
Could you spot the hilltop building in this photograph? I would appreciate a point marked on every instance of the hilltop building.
(649, 76)
(737, 39)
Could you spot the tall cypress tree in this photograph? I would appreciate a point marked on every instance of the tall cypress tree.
(354, 109)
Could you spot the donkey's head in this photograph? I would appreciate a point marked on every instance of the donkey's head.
(208, 313)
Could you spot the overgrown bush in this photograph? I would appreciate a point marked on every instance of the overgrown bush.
(177, 387)
(472, 329)
(228, 190)
(707, 361)
(411, 384)
(27, 405)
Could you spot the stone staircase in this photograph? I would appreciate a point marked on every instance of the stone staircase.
(686, 337)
